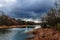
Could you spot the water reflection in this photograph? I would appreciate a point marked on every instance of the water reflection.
(37, 26)
(14, 34)
(6, 34)
(3, 31)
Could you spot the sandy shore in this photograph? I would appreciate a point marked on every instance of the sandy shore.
(15, 26)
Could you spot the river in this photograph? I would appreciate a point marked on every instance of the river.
(15, 34)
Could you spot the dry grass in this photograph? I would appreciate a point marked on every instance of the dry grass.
(45, 34)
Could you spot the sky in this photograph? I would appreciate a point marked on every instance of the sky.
(26, 8)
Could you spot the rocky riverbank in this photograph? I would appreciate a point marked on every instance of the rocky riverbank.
(44, 34)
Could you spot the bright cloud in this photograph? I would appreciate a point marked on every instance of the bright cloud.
(1, 5)
(9, 1)
(5, 3)
(32, 20)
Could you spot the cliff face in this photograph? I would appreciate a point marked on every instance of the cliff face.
(45, 34)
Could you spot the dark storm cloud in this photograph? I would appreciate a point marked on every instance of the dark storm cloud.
(27, 8)
(29, 13)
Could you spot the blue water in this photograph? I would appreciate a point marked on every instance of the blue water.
(15, 34)
(21, 35)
